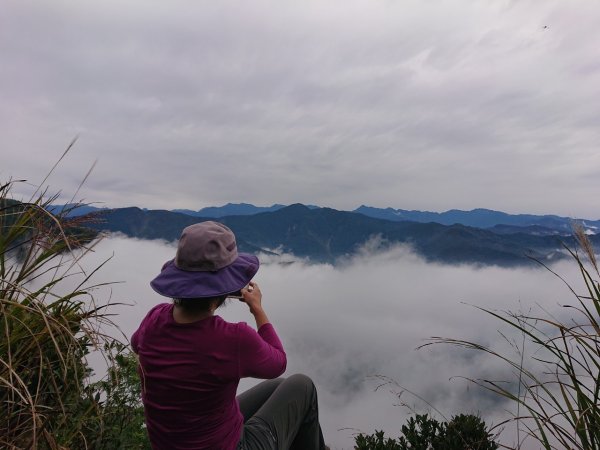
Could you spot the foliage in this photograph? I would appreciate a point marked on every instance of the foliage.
(49, 322)
(122, 410)
(468, 432)
(561, 402)
(376, 441)
(462, 432)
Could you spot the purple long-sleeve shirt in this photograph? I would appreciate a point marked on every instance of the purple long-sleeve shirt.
(190, 374)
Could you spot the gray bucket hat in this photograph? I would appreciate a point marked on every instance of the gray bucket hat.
(207, 264)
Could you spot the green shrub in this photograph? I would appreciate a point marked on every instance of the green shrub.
(376, 441)
(462, 432)
(468, 432)
(119, 397)
(49, 322)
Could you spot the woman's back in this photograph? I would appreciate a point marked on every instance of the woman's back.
(191, 372)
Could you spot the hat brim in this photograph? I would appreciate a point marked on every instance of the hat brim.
(174, 282)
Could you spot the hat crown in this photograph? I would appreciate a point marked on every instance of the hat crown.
(205, 247)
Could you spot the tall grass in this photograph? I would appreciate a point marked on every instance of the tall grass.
(559, 405)
(49, 322)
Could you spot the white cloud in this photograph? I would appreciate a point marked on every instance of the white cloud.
(342, 325)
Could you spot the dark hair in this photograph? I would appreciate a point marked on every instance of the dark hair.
(199, 304)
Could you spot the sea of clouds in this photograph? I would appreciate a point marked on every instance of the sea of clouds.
(356, 326)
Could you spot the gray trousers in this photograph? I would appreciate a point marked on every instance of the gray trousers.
(281, 414)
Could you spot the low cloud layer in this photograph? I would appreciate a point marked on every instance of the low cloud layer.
(354, 326)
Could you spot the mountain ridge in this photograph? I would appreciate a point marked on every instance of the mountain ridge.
(478, 217)
(328, 235)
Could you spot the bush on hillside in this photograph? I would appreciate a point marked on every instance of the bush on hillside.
(119, 395)
(462, 432)
(49, 322)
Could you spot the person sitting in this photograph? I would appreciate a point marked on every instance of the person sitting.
(191, 360)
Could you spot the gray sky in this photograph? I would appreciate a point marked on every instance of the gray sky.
(426, 105)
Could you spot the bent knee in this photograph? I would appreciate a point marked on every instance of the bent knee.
(301, 380)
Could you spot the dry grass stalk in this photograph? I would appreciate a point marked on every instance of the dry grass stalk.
(560, 404)
(45, 334)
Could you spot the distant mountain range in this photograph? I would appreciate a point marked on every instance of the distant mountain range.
(497, 221)
(230, 209)
(479, 218)
(482, 218)
(326, 235)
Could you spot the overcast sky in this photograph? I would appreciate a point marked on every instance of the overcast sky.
(342, 325)
(427, 105)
